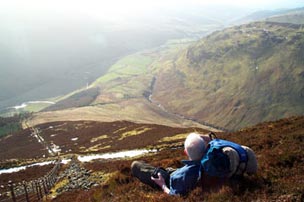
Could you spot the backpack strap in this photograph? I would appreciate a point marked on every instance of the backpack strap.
(212, 136)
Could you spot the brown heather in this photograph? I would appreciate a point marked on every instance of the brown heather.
(279, 148)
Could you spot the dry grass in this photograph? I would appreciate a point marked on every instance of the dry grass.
(133, 110)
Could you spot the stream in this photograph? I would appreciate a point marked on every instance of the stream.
(25, 104)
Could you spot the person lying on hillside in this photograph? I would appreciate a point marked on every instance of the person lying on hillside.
(182, 180)
(186, 178)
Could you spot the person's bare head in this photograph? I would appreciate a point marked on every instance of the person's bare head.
(194, 146)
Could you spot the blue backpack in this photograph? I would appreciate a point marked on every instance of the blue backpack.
(217, 164)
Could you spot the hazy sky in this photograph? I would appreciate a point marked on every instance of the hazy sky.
(256, 4)
(131, 7)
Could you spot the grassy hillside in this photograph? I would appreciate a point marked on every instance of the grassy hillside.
(238, 77)
(50, 69)
(278, 146)
(232, 78)
(122, 93)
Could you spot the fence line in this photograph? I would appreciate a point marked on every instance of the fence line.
(34, 190)
(36, 134)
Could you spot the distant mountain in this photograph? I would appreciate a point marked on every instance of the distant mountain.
(270, 15)
(233, 78)
(239, 76)
(295, 16)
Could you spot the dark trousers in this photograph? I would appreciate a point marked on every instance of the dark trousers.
(144, 171)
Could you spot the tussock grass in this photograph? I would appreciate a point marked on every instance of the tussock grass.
(99, 138)
(134, 132)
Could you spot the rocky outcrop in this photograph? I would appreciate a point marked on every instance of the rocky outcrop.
(78, 178)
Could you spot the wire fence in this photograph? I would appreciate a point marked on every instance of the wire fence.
(34, 190)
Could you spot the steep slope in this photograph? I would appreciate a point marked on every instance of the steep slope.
(237, 77)
(278, 147)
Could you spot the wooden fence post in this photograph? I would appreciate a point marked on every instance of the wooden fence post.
(11, 186)
(33, 186)
(25, 191)
(39, 188)
(37, 191)
(48, 185)
(52, 180)
(44, 186)
(1, 187)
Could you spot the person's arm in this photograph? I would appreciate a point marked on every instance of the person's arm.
(160, 181)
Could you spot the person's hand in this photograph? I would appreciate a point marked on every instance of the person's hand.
(160, 181)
